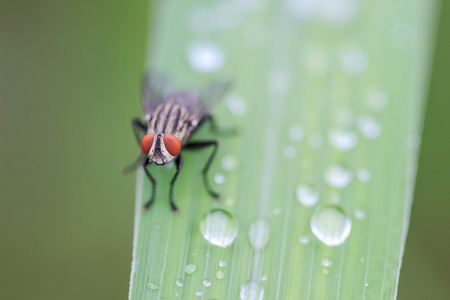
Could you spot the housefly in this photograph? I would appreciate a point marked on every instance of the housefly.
(171, 117)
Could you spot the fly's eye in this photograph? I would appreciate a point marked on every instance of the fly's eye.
(147, 142)
(172, 144)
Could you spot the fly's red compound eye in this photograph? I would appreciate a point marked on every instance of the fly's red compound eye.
(147, 142)
(172, 144)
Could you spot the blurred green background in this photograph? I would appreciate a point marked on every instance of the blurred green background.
(69, 86)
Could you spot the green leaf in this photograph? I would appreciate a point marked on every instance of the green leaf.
(328, 101)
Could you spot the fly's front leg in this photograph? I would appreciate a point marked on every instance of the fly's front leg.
(201, 145)
(137, 125)
(152, 197)
(179, 164)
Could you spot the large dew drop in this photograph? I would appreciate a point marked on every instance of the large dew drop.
(259, 234)
(219, 227)
(306, 196)
(251, 290)
(331, 225)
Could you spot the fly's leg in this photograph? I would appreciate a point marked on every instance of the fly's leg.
(216, 129)
(179, 164)
(138, 125)
(201, 145)
(152, 197)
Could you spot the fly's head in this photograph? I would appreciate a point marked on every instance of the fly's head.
(160, 148)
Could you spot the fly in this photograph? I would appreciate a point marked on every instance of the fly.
(170, 118)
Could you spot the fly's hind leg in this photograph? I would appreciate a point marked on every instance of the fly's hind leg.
(179, 164)
(201, 145)
(152, 180)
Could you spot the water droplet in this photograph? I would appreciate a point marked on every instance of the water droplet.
(190, 268)
(219, 179)
(331, 225)
(325, 271)
(206, 57)
(368, 127)
(337, 176)
(222, 263)
(236, 105)
(278, 82)
(304, 239)
(354, 61)
(180, 282)
(363, 174)
(366, 284)
(326, 262)
(360, 214)
(276, 211)
(413, 140)
(198, 293)
(152, 286)
(306, 196)
(315, 140)
(251, 290)
(289, 152)
(207, 255)
(229, 202)
(206, 282)
(377, 99)
(296, 133)
(342, 140)
(228, 163)
(219, 227)
(263, 277)
(403, 37)
(220, 274)
(259, 233)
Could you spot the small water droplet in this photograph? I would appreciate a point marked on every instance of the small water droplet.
(236, 105)
(360, 214)
(180, 282)
(363, 174)
(220, 274)
(263, 277)
(354, 61)
(190, 268)
(251, 290)
(306, 196)
(206, 57)
(276, 211)
(315, 140)
(368, 127)
(366, 284)
(337, 176)
(152, 286)
(327, 262)
(229, 202)
(228, 163)
(342, 140)
(414, 141)
(289, 152)
(207, 255)
(304, 239)
(198, 293)
(219, 227)
(377, 99)
(325, 271)
(222, 263)
(331, 225)
(296, 132)
(259, 233)
(219, 179)
(206, 282)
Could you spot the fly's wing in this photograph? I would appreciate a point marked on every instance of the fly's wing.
(209, 96)
(155, 88)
